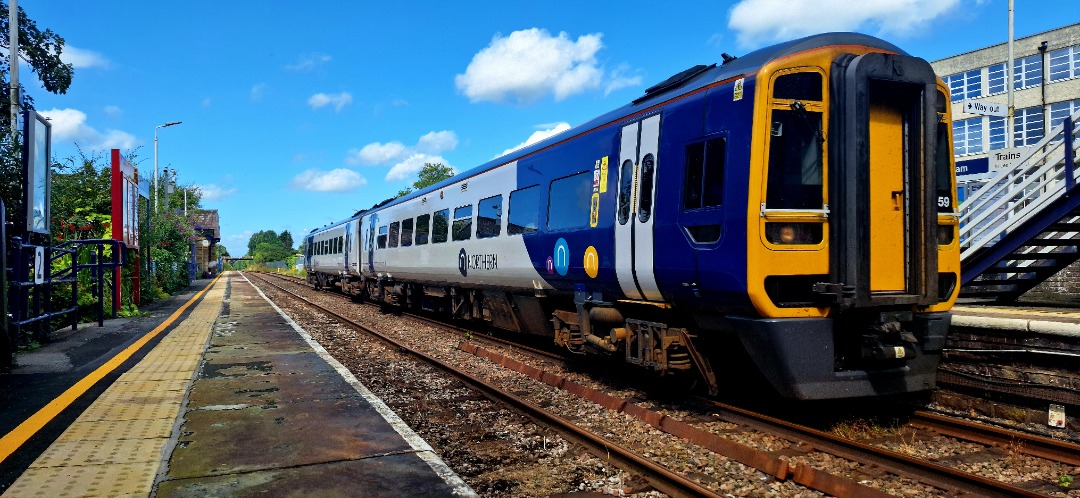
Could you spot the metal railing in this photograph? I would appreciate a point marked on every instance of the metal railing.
(1044, 173)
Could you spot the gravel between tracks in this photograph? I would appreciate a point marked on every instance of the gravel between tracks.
(503, 454)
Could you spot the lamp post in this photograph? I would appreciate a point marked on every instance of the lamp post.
(153, 191)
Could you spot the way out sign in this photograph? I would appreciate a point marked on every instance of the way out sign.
(972, 106)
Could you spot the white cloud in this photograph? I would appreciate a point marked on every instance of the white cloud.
(113, 111)
(529, 64)
(337, 100)
(551, 130)
(376, 153)
(308, 62)
(410, 165)
(435, 142)
(69, 125)
(212, 192)
(408, 160)
(82, 58)
(336, 180)
(759, 21)
(620, 78)
(258, 91)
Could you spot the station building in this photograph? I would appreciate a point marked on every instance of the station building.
(1046, 89)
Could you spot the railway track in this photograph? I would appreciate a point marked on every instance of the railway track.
(806, 446)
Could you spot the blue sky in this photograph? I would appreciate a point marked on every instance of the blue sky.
(296, 114)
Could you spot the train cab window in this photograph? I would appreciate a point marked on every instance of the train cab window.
(626, 185)
(796, 177)
(382, 237)
(568, 201)
(798, 86)
(489, 217)
(440, 225)
(645, 194)
(406, 232)
(462, 229)
(423, 227)
(523, 211)
(943, 160)
(704, 174)
(395, 230)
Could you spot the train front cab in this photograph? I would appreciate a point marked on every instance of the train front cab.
(852, 258)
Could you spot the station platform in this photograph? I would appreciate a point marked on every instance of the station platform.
(1025, 318)
(233, 399)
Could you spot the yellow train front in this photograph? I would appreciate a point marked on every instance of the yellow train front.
(851, 254)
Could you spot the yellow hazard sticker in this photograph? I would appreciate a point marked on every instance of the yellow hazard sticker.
(594, 210)
(738, 89)
(603, 174)
(592, 262)
(900, 353)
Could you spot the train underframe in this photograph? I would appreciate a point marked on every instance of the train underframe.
(854, 355)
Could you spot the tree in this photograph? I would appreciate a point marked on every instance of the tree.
(262, 236)
(286, 240)
(41, 50)
(429, 175)
(81, 198)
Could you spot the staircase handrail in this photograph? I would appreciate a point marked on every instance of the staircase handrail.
(980, 213)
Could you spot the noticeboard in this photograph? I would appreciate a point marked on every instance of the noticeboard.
(125, 201)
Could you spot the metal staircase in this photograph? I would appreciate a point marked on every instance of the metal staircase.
(1023, 226)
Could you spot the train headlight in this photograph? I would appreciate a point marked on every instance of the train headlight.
(793, 233)
(945, 234)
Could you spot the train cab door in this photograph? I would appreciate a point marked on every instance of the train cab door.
(635, 202)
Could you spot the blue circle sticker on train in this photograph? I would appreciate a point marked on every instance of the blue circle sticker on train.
(561, 256)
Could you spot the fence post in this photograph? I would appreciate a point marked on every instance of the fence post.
(7, 342)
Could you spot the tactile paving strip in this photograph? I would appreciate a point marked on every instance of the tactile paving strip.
(115, 447)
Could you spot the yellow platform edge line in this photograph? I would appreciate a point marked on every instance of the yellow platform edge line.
(18, 436)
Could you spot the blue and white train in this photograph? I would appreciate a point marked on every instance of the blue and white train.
(794, 206)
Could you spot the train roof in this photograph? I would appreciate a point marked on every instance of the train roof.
(680, 84)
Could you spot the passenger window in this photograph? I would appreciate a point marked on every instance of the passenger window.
(382, 237)
(423, 226)
(440, 226)
(568, 201)
(523, 214)
(645, 196)
(406, 232)
(704, 174)
(626, 183)
(489, 217)
(395, 230)
(463, 223)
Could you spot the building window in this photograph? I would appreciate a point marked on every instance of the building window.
(406, 232)
(967, 85)
(995, 81)
(997, 132)
(462, 223)
(1065, 63)
(523, 211)
(440, 226)
(568, 201)
(967, 136)
(489, 217)
(1062, 110)
(1027, 71)
(423, 226)
(1027, 126)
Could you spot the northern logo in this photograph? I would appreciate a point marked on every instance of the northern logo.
(468, 262)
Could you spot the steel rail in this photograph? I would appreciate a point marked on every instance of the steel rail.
(1028, 444)
(954, 481)
(658, 476)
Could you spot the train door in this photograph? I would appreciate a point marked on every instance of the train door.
(888, 206)
(634, 216)
(347, 249)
